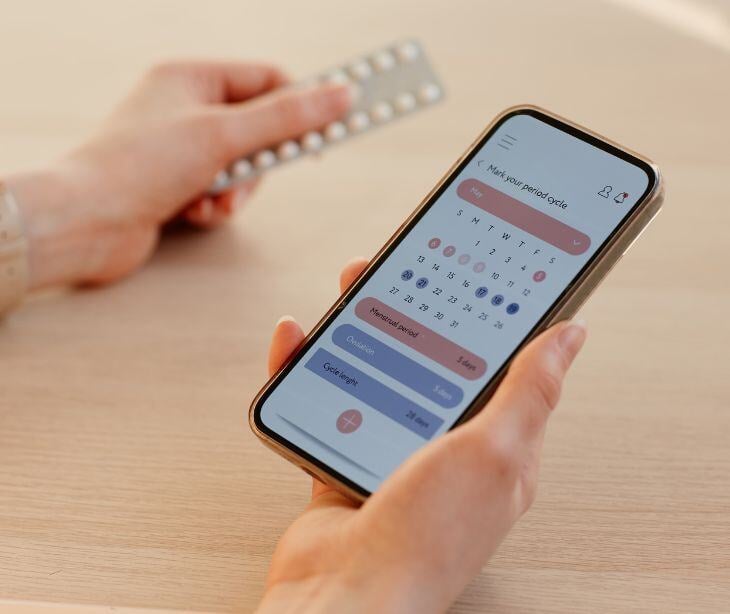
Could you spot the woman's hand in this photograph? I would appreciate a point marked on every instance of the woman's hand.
(96, 215)
(416, 542)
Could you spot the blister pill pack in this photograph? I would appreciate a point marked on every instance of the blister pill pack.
(390, 83)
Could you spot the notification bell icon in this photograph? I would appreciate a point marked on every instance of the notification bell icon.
(621, 197)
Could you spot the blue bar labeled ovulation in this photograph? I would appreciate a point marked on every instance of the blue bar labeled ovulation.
(388, 402)
(391, 362)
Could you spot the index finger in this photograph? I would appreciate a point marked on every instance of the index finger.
(286, 113)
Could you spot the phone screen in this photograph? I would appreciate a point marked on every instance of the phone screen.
(454, 298)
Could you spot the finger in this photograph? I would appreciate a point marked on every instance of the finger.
(225, 81)
(288, 335)
(231, 201)
(199, 213)
(351, 272)
(205, 213)
(319, 488)
(242, 80)
(280, 115)
(520, 408)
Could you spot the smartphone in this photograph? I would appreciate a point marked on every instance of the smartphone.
(512, 239)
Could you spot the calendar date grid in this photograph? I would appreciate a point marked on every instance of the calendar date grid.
(453, 284)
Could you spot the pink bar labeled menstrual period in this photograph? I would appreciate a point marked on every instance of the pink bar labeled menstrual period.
(421, 338)
(524, 217)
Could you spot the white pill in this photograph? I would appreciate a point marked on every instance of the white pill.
(312, 141)
(335, 131)
(429, 92)
(407, 52)
(220, 181)
(381, 112)
(358, 121)
(264, 159)
(383, 61)
(360, 70)
(288, 150)
(338, 77)
(405, 102)
(242, 169)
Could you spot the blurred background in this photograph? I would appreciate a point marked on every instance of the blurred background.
(128, 476)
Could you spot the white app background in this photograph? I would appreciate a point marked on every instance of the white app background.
(569, 180)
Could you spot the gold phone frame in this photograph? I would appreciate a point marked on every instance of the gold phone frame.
(573, 296)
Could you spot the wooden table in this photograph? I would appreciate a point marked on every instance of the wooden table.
(128, 475)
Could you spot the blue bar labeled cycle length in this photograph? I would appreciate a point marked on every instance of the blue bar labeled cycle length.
(401, 368)
(370, 391)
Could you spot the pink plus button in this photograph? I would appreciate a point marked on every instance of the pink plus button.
(349, 421)
(449, 251)
(539, 275)
(434, 243)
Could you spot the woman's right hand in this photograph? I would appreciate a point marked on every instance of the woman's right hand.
(96, 214)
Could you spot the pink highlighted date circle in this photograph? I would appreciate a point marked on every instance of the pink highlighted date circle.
(434, 243)
(449, 251)
(464, 259)
(539, 276)
(479, 267)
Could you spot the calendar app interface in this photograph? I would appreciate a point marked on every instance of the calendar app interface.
(453, 299)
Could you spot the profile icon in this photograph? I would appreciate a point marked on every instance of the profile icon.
(606, 191)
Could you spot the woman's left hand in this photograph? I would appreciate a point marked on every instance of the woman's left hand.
(417, 541)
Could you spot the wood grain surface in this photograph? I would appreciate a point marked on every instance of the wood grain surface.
(128, 475)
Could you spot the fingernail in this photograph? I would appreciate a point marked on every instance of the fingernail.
(572, 337)
(283, 319)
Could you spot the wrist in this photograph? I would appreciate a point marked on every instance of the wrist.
(70, 239)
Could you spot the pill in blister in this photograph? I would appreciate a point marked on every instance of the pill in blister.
(361, 70)
(383, 61)
(358, 121)
(335, 131)
(429, 92)
(242, 169)
(312, 141)
(381, 112)
(407, 52)
(288, 150)
(388, 83)
(264, 159)
(405, 102)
